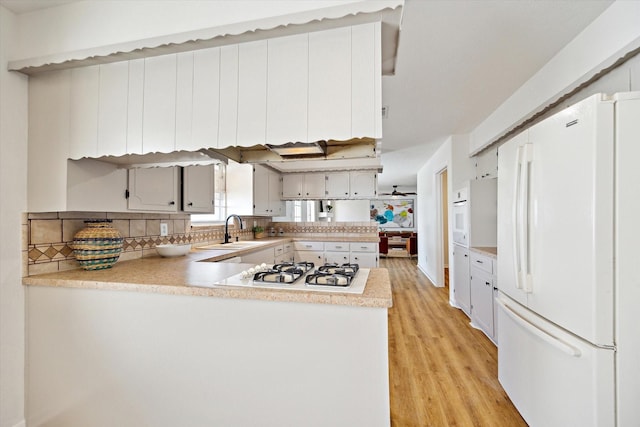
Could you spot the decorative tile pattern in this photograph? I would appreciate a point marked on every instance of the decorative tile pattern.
(48, 236)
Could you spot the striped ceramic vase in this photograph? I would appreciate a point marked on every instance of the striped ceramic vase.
(98, 245)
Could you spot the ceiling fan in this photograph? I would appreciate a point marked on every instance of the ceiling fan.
(395, 192)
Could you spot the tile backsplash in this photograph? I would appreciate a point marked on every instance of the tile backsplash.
(47, 237)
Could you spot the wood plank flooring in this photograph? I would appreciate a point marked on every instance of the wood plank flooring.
(443, 372)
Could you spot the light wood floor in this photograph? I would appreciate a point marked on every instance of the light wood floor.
(443, 372)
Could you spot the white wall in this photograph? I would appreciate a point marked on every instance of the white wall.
(605, 40)
(351, 210)
(430, 259)
(13, 191)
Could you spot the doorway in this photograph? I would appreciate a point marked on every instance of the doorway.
(444, 223)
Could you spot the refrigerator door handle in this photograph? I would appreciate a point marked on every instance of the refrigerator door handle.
(526, 216)
(516, 219)
(539, 332)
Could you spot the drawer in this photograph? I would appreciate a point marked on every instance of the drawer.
(308, 246)
(482, 262)
(336, 246)
(278, 250)
(364, 247)
(288, 247)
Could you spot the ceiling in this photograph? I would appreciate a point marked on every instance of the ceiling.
(457, 62)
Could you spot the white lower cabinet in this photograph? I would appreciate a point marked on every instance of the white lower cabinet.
(365, 254)
(483, 286)
(461, 285)
(309, 252)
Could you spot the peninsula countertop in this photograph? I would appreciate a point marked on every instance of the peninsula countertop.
(193, 275)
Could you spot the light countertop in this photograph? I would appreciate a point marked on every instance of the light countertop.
(490, 251)
(188, 275)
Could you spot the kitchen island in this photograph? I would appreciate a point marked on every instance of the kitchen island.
(153, 342)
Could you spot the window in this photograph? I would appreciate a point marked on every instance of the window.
(304, 211)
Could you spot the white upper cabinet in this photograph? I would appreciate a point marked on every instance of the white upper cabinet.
(287, 89)
(159, 114)
(487, 163)
(252, 93)
(314, 186)
(363, 184)
(330, 85)
(228, 113)
(366, 81)
(198, 188)
(83, 111)
(303, 186)
(153, 189)
(135, 105)
(206, 99)
(292, 185)
(112, 109)
(337, 185)
(184, 100)
(267, 189)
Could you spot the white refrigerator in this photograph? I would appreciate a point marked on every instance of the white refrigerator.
(569, 270)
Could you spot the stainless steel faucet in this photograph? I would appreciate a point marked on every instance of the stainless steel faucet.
(227, 236)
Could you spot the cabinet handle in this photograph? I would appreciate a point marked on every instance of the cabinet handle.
(479, 262)
(465, 255)
(190, 204)
(172, 203)
(487, 283)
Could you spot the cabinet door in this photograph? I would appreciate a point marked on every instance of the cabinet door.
(316, 257)
(112, 110)
(365, 259)
(252, 93)
(487, 163)
(184, 100)
(461, 278)
(366, 69)
(198, 188)
(260, 190)
(135, 106)
(314, 186)
(363, 184)
(292, 185)
(337, 185)
(482, 300)
(206, 99)
(228, 123)
(336, 257)
(330, 84)
(83, 113)
(287, 88)
(159, 114)
(153, 189)
(276, 205)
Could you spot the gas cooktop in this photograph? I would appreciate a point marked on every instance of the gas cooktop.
(303, 276)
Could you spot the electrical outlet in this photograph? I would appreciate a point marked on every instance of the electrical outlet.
(164, 229)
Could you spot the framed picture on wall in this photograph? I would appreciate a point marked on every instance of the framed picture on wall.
(393, 213)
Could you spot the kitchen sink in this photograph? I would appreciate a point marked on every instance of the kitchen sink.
(246, 244)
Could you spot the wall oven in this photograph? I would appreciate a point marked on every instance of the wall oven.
(460, 226)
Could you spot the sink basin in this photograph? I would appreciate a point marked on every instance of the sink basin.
(233, 245)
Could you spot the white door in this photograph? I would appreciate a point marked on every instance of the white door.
(507, 187)
(570, 228)
(362, 184)
(314, 184)
(552, 377)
